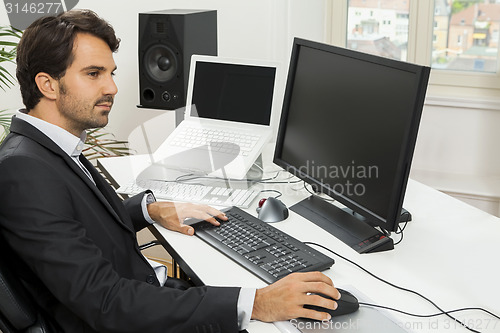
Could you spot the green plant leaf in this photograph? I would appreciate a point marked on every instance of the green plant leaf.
(5, 118)
(103, 144)
(8, 53)
(4, 43)
(5, 80)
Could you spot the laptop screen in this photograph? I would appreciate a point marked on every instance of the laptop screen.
(233, 92)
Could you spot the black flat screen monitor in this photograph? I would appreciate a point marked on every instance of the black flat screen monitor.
(348, 127)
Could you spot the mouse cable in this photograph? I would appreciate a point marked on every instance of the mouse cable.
(404, 289)
(426, 315)
(274, 191)
(270, 180)
(284, 181)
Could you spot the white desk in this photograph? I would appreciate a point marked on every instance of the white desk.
(449, 254)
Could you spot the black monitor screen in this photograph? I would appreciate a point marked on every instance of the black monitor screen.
(349, 126)
(233, 92)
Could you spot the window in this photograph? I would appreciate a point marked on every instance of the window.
(457, 38)
(370, 30)
(474, 24)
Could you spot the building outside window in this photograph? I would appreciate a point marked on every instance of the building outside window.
(457, 38)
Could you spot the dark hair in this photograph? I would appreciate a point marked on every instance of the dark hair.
(47, 46)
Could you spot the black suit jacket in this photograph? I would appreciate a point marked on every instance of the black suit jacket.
(74, 247)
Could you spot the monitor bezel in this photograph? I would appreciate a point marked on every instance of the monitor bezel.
(391, 221)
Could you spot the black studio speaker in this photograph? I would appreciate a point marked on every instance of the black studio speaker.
(167, 40)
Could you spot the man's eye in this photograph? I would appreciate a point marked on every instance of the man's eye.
(94, 74)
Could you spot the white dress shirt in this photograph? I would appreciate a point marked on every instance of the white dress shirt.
(73, 146)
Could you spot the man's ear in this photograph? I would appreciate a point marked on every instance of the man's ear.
(47, 85)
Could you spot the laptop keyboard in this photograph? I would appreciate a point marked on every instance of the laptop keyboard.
(218, 139)
(259, 247)
(201, 194)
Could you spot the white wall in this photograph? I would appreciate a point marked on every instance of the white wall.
(462, 139)
(458, 150)
(259, 29)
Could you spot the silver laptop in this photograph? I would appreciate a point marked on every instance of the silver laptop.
(227, 119)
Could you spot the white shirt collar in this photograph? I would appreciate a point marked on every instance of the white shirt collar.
(69, 143)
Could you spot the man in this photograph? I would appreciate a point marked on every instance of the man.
(69, 237)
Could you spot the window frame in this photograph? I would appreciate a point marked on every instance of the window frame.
(420, 41)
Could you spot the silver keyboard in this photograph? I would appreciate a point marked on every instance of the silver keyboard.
(201, 194)
(192, 137)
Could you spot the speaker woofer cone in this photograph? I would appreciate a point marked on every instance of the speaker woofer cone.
(160, 63)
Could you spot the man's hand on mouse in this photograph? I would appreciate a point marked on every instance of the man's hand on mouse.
(172, 215)
(285, 298)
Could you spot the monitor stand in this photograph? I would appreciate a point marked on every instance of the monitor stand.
(344, 225)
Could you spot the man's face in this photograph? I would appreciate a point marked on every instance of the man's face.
(87, 89)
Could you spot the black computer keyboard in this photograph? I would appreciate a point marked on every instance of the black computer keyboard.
(259, 247)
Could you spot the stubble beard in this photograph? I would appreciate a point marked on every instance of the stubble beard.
(81, 114)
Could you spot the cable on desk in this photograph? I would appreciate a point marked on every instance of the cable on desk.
(269, 180)
(443, 312)
(400, 230)
(316, 194)
(426, 315)
(274, 191)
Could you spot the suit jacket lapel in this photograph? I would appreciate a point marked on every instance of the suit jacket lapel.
(103, 192)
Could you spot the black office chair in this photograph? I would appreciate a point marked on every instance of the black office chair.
(18, 311)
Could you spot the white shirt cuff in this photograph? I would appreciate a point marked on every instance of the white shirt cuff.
(161, 271)
(147, 199)
(245, 307)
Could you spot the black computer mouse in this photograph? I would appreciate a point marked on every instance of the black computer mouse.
(347, 303)
(272, 210)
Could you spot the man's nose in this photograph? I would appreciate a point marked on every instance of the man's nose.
(110, 87)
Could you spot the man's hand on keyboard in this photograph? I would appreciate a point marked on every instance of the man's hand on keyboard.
(172, 215)
(284, 299)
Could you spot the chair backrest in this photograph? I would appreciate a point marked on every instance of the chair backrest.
(18, 312)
